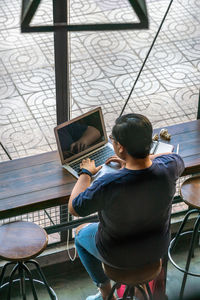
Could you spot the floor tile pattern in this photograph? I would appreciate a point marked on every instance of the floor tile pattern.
(104, 67)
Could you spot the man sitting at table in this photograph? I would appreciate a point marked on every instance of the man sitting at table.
(134, 204)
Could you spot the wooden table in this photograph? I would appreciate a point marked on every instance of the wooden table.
(38, 182)
(187, 135)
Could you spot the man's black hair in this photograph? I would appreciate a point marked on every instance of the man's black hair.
(134, 132)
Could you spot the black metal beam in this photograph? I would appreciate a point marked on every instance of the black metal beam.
(29, 8)
(61, 63)
(198, 110)
(139, 6)
(70, 225)
(86, 27)
(4, 149)
(62, 77)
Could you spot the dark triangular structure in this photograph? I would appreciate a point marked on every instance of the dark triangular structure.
(29, 8)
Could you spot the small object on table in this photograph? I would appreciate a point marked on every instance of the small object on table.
(165, 134)
(155, 137)
(163, 131)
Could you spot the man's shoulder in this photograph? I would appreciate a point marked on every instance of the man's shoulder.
(171, 161)
(109, 178)
(167, 158)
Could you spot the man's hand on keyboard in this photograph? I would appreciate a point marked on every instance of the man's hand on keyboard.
(89, 165)
(116, 159)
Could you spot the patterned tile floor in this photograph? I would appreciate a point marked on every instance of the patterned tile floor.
(103, 66)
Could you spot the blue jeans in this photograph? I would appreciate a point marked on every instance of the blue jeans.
(89, 254)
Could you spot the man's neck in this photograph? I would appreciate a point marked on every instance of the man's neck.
(138, 163)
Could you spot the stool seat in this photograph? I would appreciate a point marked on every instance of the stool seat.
(21, 240)
(190, 191)
(136, 276)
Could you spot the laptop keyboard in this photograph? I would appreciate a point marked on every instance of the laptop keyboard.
(99, 157)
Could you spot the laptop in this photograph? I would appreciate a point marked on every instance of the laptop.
(160, 147)
(85, 136)
(82, 137)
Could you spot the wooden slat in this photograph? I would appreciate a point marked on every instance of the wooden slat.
(28, 161)
(182, 127)
(35, 201)
(39, 177)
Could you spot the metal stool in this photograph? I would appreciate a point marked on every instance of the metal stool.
(190, 192)
(20, 242)
(133, 278)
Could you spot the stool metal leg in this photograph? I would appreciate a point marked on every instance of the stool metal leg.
(178, 234)
(126, 292)
(142, 291)
(23, 271)
(31, 280)
(11, 280)
(112, 291)
(149, 291)
(3, 271)
(52, 296)
(22, 281)
(190, 253)
(132, 292)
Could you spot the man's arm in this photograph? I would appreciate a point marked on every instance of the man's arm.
(83, 182)
(81, 185)
(152, 156)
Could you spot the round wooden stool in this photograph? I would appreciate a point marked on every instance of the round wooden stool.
(190, 192)
(20, 242)
(133, 278)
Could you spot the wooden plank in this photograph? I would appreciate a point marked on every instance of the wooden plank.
(28, 161)
(192, 164)
(35, 201)
(37, 178)
(185, 137)
(182, 127)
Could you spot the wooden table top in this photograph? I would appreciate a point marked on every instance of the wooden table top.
(38, 182)
(187, 135)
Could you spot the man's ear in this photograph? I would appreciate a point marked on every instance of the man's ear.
(121, 149)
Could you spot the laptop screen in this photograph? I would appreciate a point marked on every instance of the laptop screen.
(80, 135)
